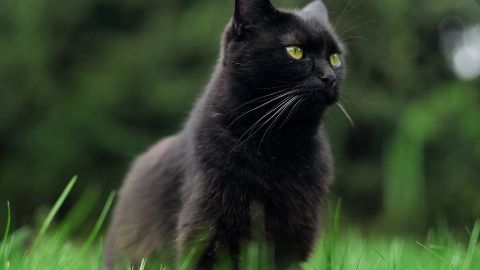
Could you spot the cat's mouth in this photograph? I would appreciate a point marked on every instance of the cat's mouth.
(325, 93)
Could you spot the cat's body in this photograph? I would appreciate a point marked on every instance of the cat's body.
(252, 142)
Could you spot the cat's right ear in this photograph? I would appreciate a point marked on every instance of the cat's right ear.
(316, 10)
(250, 12)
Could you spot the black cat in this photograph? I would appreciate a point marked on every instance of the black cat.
(253, 139)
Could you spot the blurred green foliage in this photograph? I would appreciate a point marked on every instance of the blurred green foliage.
(85, 85)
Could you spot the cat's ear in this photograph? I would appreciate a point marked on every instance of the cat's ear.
(316, 10)
(248, 12)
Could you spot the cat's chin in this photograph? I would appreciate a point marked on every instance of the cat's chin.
(325, 97)
(331, 96)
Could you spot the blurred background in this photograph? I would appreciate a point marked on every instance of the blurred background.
(85, 85)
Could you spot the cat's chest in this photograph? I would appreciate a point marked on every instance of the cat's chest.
(262, 171)
(261, 167)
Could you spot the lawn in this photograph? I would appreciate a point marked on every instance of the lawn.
(52, 247)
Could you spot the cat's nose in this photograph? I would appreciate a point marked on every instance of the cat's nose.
(326, 74)
(329, 80)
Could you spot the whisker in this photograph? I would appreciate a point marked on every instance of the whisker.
(262, 98)
(346, 114)
(344, 99)
(355, 20)
(277, 116)
(275, 87)
(291, 82)
(281, 95)
(292, 111)
(356, 100)
(260, 106)
(357, 26)
(354, 38)
(344, 11)
(274, 111)
(249, 131)
(252, 110)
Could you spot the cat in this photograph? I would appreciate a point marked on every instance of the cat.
(253, 141)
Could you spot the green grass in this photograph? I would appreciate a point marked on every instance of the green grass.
(52, 247)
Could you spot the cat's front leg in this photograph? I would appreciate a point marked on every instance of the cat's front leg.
(293, 232)
(214, 227)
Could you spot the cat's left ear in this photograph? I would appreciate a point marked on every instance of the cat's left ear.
(249, 12)
(316, 10)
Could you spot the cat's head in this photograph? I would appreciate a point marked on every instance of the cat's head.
(267, 50)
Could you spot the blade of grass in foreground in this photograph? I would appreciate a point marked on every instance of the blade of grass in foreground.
(143, 264)
(58, 204)
(187, 262)
(333, 238)
(472, 246)
(7, 230)
(80, 211)
(98, 225)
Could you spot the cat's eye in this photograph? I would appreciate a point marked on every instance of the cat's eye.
(295, 52)
(335, 60)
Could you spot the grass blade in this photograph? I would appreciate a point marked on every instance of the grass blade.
(331, 248)
(434, 253)
(7, 230)
(143, 264)
(58, 204)
(98, 224)
(188, 261)
(78, 213)
(379, 254)
(472, 246)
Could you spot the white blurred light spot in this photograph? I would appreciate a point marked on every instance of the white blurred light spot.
(466, 54)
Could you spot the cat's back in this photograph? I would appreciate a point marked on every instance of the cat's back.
(152, 170)
(144, 218)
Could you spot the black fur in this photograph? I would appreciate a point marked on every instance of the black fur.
(254, 140)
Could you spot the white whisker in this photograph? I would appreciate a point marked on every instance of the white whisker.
(251, 131)
(277, 115)
(292, 111)
(346, 114)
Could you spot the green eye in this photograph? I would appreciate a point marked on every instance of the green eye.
(295, 52)
(335, 60)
